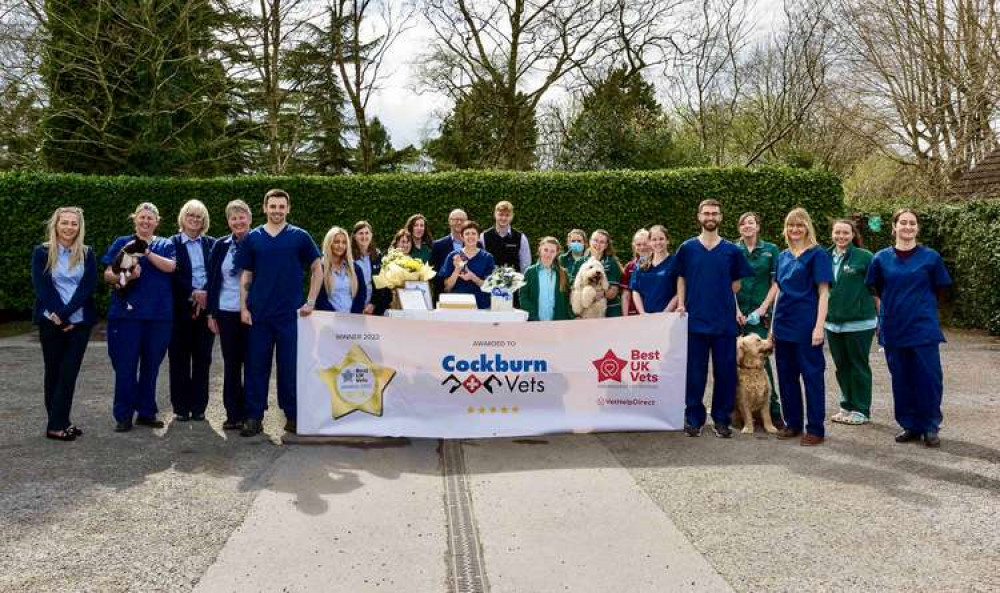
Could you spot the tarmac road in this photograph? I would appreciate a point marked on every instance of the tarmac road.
(189, 507)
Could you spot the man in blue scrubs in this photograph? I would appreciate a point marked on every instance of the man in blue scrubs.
(709, 270)
(273, 258)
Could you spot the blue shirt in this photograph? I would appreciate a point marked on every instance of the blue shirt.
(482, 265)
(365, 261)
(657, 285)
(798, 300)
(908, 315)
(278, 264)
(198, 275)
(229, 293)
(66, 280)
(341, 298)
(708, 279)
(150, 295)
(547, 278)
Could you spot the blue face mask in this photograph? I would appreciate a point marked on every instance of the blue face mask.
(576, 247)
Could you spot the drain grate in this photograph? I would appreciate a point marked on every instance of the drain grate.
(466, 569)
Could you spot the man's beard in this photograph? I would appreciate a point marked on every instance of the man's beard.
(710, 225)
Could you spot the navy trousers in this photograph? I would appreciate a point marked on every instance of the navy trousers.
(190, 360)
(136, 348)
(275, 336)
(917, 386)
(233, 338)
(805, 361)
(723, 353)
(63, 353)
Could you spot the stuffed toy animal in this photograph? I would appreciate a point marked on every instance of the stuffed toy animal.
(589, 286)
(124, 265)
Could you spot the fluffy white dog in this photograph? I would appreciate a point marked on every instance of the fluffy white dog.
(589, 286)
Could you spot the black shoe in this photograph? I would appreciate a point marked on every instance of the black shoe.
(908, 436)
(692, 431)
(232, 425)
(123, 426)
(291, 426)
(722, 431)
(932, 440)
(181, 417)
(60, 435)
(198, 417)
(153, 422)
(251, 427)
(75, 430)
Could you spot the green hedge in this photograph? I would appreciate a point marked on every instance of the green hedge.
(968, 237)
(545, 203)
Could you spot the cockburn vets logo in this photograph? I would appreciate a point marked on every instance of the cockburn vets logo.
(610, 367)
(495, 372)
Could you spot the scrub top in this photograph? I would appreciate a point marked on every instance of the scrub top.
(423, 253)
(613, 272)
(764, 262)
(908, 291)
(798, 299)
(482, 265)
(708, 278)
(657, 285)
(278, 265)
(151, 293)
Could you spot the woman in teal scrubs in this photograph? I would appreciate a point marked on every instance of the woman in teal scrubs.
(603, 251)
(545, 295)
(421, 236)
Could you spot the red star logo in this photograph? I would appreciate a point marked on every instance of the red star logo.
(609, 367)
(472, 384)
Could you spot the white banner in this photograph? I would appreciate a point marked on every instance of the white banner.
(374, 376)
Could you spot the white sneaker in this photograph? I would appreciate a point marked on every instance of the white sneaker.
(841, 416)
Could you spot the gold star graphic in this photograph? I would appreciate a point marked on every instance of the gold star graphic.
(357, 383)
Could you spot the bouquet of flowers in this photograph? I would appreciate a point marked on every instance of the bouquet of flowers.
(504, 280)
(398, 267)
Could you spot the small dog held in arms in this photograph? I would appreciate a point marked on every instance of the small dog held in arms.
(753, 392)
(124, 267)
(589, 286)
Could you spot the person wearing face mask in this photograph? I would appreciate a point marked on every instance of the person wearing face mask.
(640, 251)
(224, 312)
(191, 341)
(576, 240)
(545, 295)
(64, 276)
(850, 324)
(908, 279)
(139, 326)
(757, 293)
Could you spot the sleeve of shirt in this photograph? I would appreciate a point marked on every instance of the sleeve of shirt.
(488, 266)
(446, 268)
(166, 249)
(740, 265)
(939, 273)
(615, 271)
(822, 267)
(873, 278)
(682, 255)
(112, 252)
(634, 283)
(524, 254)
(308, 252)
(245, 258)
(773, 250)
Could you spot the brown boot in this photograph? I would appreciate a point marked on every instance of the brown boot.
(788, 433)
(810, 440)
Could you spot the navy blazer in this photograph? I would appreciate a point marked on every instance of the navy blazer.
(357, 304)
(181, 278)
(381, 297)
(47, 297)
(213, 267)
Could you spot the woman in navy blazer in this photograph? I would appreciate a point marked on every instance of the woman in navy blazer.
(224, 312)
(191, 341)
(370, 259)
(342, 276)
(64, 275)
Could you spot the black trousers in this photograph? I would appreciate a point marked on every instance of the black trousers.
(233, 339)
(63, 353)
(190, 359)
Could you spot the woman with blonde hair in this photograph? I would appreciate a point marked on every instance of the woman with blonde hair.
(64, 276)
(139, 327)
(343, 289)
(191, 340)
(654, 284)
(545, 295)
(602, 249)
(805, 272)
(640, 251)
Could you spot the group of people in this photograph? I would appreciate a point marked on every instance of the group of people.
(246, 288)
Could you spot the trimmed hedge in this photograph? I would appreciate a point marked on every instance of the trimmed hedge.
(968, 237)
(546, 203)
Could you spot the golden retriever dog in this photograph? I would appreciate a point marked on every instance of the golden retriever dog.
(589, 286)
(753, 392)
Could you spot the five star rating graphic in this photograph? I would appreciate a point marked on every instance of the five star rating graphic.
(609, 367)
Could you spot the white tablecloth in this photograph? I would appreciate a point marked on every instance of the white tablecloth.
(467, 315)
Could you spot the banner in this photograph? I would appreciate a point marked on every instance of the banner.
(362, 375)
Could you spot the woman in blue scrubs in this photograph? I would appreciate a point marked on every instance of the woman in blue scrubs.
(908, 278)
(343, 289)
(654, 282)
(377, 300)
(224, 312)
(804, 274)
(465, 269)
(64, 275)
(139, 322)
